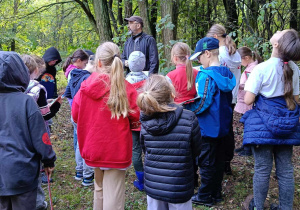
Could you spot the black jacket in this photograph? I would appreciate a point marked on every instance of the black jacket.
(24, 141)
(147, 45)
(171, 141)
(50, 55)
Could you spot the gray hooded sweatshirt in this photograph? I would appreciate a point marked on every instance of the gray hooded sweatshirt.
(233, 62)
(24, 141)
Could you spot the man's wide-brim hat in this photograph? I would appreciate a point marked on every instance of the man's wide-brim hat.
(135, 18)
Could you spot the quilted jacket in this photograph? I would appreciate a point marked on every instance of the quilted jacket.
(271, 123)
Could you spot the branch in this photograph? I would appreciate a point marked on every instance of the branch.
(41, 9)
(85, 6)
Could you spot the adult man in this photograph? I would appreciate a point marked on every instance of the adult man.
(140, 41)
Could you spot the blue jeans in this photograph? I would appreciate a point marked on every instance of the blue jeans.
(263, 155)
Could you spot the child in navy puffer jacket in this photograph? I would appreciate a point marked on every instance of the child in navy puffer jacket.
(171, 139)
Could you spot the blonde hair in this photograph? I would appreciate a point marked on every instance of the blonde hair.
(182, 51)
(109, 55)
(157, 96)
(30, 63)
(220, 31)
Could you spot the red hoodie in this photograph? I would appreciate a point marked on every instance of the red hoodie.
(179, 81)
(103, 141)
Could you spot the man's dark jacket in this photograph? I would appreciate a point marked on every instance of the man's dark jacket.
(147, 45)
(171, 141)
(24, 141)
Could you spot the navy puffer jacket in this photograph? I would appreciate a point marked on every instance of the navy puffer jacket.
(271, 123)
(171, 141)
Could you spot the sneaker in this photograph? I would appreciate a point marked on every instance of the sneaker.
(43, 207)
(88, 181)
(78, 175)
(45, 178)
(227, 169)
(199, 201)
(274, 206)
(245, 153)
(252, 205)
(218, 198)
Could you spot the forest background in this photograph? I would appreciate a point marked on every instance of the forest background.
(31, 26)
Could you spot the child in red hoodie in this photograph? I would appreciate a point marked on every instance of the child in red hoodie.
(183, 77)
(105, 111)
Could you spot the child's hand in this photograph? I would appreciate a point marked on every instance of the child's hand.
(49, 170)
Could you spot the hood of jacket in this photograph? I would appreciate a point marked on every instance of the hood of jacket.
(14, 75)
(52, 54)
(232, 61)
(96, 86)
(223, 77)
(77, 76)
(161, 123)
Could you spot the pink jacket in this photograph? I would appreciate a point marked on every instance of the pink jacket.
(241, 107)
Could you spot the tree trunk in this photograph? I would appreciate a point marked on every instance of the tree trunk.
(85, 6)
(293, 21)
(102, 20)
(120, 17)
(153, 17)
(143, 6)
(128, 8)
(232, 16)
(111, 14)
(175, 17)
(167, 33)
(14, 29)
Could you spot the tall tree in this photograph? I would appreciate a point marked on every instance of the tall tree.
(293, 21)
(153, 17)
(167, 32)
(144, 13)
(14, 28)
(231, 13)
(102, 20)
(128, 8)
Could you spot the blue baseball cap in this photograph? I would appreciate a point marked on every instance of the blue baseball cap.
(207, 43)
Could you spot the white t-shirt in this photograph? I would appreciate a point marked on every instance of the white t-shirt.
(267, 78)
(233, 62)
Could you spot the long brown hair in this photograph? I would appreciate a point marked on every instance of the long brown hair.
(246, 51)
(183, 52)
(109, 55)
(78, 54)
(220, 31)
(289, 49)
(157, 95)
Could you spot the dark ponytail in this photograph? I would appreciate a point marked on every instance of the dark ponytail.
(78, 54)
(289, 50)
(246, 51)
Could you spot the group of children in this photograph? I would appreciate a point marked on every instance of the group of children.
(180, 121)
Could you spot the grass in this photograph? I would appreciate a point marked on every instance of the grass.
(67, 193)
